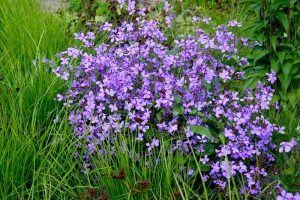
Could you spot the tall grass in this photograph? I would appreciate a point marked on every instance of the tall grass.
(26, 94)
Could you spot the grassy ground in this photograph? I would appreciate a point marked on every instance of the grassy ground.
(36, 154)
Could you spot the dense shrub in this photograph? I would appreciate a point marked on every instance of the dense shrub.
(185, 89)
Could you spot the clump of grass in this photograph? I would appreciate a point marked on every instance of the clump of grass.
(27, 91)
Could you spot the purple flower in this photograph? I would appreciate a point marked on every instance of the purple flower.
(234, 23)
(140, 137)
(195, 19)
(107, 26)
(206, 20)
(153, 144)
(142, 11)
(166, 6)
(272, 77)
(131, 7)
(284, 195)
(244, 41)
(121, 3)
(287, 146)
(59, 97)
(204, 160)
(190, 172)
(168, 21)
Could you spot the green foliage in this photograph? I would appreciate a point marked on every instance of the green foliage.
(277, 30)
(201, 130)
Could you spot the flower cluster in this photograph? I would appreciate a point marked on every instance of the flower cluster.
(284, 195)
(140, 81)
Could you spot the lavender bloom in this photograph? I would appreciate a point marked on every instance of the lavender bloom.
(234, 23)
(244, 41)
(107, 26)
(153, 144)
(195, 19)
(121, 3)
(168, 21)
(206, 20)
(272, 77)
(131, 7)
(142, 11)
(287, 146)
(204, 160)
(190, 172)
(166, 6)
(284, 195)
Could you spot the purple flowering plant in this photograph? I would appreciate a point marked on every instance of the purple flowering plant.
(183, 89)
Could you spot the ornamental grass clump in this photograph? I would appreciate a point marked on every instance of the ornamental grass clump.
(184, 89)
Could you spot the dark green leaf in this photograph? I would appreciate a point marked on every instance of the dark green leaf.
(274, 42)
(295, 70)
(296, 77)
(287, 45)
(285, 81)
(287, 68)
(201, 130)
(275, 98)
(209, 149)
(178, 110)
(279, 4)
(177, 99)
(249, 83)
(283, 19)
(275, 66)
(205, 168)
(260, 54)
(281, 55)
(296, 61)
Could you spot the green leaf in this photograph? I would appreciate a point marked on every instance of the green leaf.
(177, 99)
(296, 77)
(295, 70)
(274, 42)
(102, 8)
(283, 19)
(296, 61)
(209, 149)
(285, 81)
(287, 68)
(289, 171)
(249, 83)
(201, 130)
(287, 45)
(172, 52)
(260, 54)
(205, 168)
(279, 4)
(236, 58)
(178, 110)
(159, 114)
(275, 98)
(275, 66)
(281, 55)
